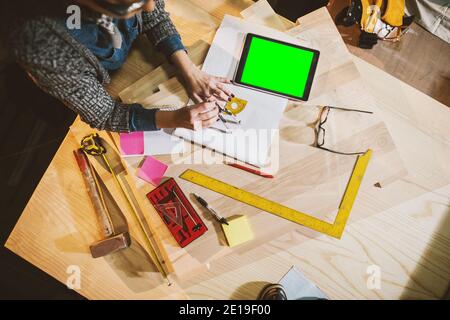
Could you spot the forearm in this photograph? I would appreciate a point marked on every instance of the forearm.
(148, 120)
(151, 119)
(165, 119)
(86, 97)
(183, 63)
(174, 50)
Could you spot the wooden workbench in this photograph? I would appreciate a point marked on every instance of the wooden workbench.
(409, 241)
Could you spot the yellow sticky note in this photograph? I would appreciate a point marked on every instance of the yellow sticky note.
(237, 231)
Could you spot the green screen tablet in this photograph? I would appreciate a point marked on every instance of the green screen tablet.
(277, 67)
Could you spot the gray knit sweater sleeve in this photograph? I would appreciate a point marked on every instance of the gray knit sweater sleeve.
(59, 69)
(65, 69)
(157, 24)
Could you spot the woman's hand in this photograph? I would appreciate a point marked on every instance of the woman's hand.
(193, 117)
(204, 87)
(200, 85)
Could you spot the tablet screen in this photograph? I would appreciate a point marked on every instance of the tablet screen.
(277, 67)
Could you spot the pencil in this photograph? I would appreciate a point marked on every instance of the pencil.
(254, 171)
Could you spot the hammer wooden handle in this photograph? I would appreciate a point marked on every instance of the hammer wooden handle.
(94, 193)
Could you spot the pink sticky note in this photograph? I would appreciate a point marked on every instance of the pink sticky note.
(152, 171)
(132, 143)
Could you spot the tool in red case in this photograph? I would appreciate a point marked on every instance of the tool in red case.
(177, 212)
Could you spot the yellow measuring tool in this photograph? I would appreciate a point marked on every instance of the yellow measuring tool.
(92, 145)
(332, 229)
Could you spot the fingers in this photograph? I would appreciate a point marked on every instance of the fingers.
(207, 92)
(221, 95)
(203, 115)
(199, 98)
(209, 123)
(210, 117)
(212, 89)
(196, 98)
(211, 99)
(211, 114)
(225, 90)
(202, 108)
(223, 80)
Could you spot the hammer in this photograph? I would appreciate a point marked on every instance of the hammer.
(113, 241)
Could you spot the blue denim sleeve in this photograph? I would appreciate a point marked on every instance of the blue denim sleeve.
(170, 45)
(142, 119)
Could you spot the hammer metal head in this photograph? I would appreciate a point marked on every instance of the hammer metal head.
(110, 245)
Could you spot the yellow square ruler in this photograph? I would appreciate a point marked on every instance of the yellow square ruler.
(332, 229)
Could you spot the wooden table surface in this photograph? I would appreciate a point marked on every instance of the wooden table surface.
(409, 242)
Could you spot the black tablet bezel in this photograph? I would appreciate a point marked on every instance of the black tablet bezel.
(244, 55)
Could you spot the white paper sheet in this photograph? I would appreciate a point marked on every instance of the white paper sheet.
(263, 112)
(161, 142)
(262, 13)
(297, 287)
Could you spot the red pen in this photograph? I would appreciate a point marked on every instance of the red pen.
(254, 171)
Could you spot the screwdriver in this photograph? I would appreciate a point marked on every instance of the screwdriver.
(211, 210)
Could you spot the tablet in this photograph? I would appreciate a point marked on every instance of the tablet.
(276, 67)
